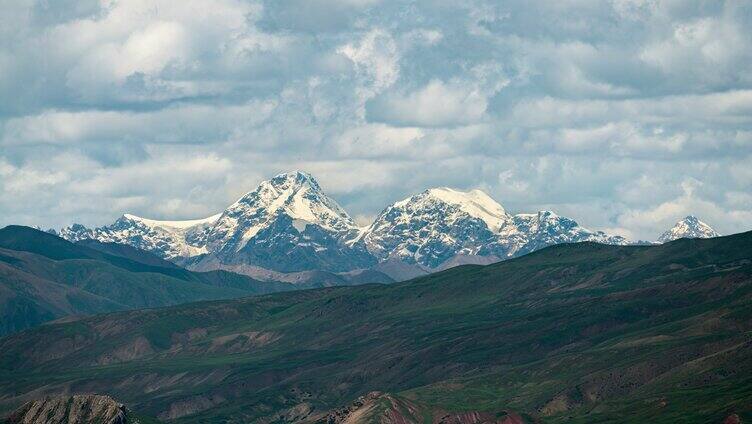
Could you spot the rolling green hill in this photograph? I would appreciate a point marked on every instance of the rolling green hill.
(43, 277)
(573, 333)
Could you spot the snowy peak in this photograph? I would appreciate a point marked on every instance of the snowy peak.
(287, 224)
(74, 233)
(688, 227)
(296, 196)
(474, 204)
(293, 179)
(527, 232)
(169, 239)
(435, 225)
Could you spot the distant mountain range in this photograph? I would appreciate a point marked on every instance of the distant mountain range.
(288, 228)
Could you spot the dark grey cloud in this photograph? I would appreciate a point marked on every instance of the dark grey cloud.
(624, 114)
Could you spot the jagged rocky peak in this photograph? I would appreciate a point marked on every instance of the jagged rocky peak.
(528, 232)
(73, 409)
(450, 203)
(168, 239)
(688, 227)
(298, 195)
(295, 195)
(543, 222)
(74, 233)
(288, 224)
(435, 225)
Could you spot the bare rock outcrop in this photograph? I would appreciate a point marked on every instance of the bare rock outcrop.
(75, 409)
(384, 408)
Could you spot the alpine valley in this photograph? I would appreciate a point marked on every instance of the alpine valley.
(288, 229)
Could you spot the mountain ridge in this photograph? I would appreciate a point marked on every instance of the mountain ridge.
(81, 409)
(289, 225)
(44, 277)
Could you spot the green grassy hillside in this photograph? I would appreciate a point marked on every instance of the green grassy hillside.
(572, 333)
(43, 277)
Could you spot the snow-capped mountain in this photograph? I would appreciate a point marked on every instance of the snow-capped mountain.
(288, 224)
(527, 232)
(688, 227)
(172, 240)
(441, 224)
(294, 195)
(436, 225)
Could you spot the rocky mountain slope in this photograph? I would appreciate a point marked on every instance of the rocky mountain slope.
(432, 227)
(571, 333)
(43, 277)
(170, 240)
(386, 408)
(76, 409)
(289, 225)
(688, 227)
(438, 225)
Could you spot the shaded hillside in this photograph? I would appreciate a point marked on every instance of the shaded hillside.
(126, 251)
(575, 333)
(43, 277)
(302, 279)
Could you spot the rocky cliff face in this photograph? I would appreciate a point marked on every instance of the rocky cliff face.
(76, 409)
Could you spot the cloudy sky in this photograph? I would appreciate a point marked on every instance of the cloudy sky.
(625, 115)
